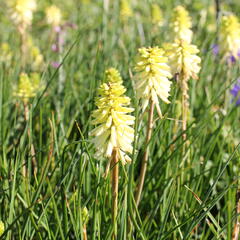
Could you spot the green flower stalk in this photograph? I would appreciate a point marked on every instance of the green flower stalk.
(181, 24)
(151, 83)
(229, 38)
(114, 135)
(184, 64)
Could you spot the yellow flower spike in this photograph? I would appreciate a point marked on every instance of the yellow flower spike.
(34, 55)
(181, 24)
(2, 228)
(156, 13)
(27, 86)
(22, 11)
(210, 19)
(113, 75)
(53, 15)
(113, 130)
(184, 62)
(37, 58)
(152, 78)
(85, 218)
(151, 82)
(125, 10)
(183, 59)
(6, 54)
(35, 78)
(229, 39)
(85, 215)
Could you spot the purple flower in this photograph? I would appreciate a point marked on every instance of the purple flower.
(61, 40)
(235, 91)
(57, 29)
(215, 49)
(231, 59)
(55, 64)
(55, 48)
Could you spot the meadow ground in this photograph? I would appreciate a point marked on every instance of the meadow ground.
(51, 182)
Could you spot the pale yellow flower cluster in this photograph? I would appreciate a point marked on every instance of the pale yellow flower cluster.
(6, 53)
(229, 40)
(125, 10)
(181, 53)
(85, 215)
(28, 86)
(152, 78)
(112, 75)
(113, 131)
(181, 24)
(35, 57)
(22, 12)
(183, 59)
(53, 15)
(156, 13)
